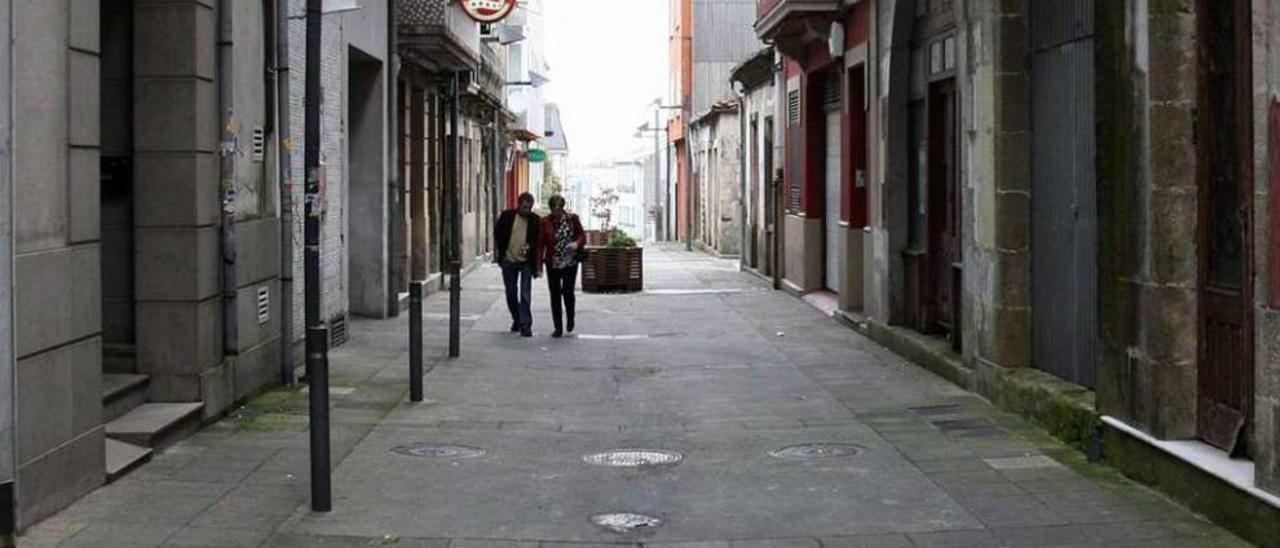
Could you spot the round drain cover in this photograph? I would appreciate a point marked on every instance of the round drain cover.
(626, 522)
(634, 458)
(439, 451)
(816, 451)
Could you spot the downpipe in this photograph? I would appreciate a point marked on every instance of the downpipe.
(742, 177)
(284, 131)
(228, 151)
(395, 217)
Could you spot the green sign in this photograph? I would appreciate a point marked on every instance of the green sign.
(537, 155)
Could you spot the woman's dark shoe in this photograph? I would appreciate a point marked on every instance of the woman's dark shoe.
(557, 334)
(526, 332)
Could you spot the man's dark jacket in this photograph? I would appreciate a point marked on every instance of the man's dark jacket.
(502, 236)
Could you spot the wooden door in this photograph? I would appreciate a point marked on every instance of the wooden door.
(943, 218)
(1224, 170)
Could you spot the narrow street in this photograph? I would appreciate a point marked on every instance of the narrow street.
(708, 363)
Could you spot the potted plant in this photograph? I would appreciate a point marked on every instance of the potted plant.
(616, 266)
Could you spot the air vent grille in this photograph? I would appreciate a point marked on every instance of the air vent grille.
(338, 331)
(264, 305)
(259, 144)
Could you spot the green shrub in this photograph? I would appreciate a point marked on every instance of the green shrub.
(618, 238)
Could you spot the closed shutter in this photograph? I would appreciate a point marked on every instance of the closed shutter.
(795, 154)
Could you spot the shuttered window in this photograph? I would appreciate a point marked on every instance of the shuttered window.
(795, 153)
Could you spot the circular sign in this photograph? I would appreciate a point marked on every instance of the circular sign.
(488, 11)
(537, 155)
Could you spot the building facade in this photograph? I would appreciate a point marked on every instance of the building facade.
(159, 209)
(1072, 197)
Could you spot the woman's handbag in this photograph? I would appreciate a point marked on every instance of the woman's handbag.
(580, 255)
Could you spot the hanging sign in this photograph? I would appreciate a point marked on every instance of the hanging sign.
(537, 155)
(488, 11)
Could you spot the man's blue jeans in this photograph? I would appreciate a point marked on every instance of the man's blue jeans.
(518, 304)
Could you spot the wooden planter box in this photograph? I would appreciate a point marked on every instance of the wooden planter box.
(613, 269)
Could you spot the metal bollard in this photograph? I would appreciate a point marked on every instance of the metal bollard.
(455, 309)
(415, 341)
(318, 387)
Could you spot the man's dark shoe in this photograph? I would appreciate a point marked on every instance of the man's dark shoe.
(526, 332)
(515, 327)
(557, 334)
(570, 324)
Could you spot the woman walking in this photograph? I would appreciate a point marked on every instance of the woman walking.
(561, 239)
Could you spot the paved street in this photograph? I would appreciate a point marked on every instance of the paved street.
(709, 364)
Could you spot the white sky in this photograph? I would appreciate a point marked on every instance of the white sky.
(608, 61)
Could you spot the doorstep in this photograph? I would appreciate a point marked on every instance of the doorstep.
(1202, 477)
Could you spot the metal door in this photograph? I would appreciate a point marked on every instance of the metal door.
(832, 213)
(1063, 190)
(1224, 160)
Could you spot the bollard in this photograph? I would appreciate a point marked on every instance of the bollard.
(455, 310)
(415, 341)
(318, 387)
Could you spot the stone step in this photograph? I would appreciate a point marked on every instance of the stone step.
(122, 393)
(156, 425)
(123, 457)
(119, 358)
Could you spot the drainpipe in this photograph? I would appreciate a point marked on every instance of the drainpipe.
(229, 149)
(742, 177)
(284, 130)
(395, 208)
(8, 378)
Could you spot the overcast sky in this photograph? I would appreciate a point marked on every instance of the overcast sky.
(608, 62)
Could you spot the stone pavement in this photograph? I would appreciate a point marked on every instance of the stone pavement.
(707, 363)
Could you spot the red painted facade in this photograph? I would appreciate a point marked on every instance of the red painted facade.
(812, 68)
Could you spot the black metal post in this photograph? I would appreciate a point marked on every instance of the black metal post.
(415, 340)
(455, 225)
(317, 332)
(668, 212)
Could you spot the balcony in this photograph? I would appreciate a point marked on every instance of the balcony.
(789, 23)
(437, 35)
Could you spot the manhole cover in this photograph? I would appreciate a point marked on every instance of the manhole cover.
(816, 451)
(626, 522)
(439, 451)
(634, 458)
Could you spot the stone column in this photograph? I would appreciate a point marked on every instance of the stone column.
(176, 201)
(1147, 195)
(996, 304)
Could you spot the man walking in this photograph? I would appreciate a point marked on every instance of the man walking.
(516, 243)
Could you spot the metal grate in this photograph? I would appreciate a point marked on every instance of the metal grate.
(264, 305)
(259, 144)
(831, 90)
(338, 331)
(634, 458)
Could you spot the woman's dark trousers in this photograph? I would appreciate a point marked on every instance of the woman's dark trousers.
(562, 282)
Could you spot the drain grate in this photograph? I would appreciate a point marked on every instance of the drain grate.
(969, 428)
(626, 522)
(634, 458)
(817, 451)
(934, 410)
(438, 451)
